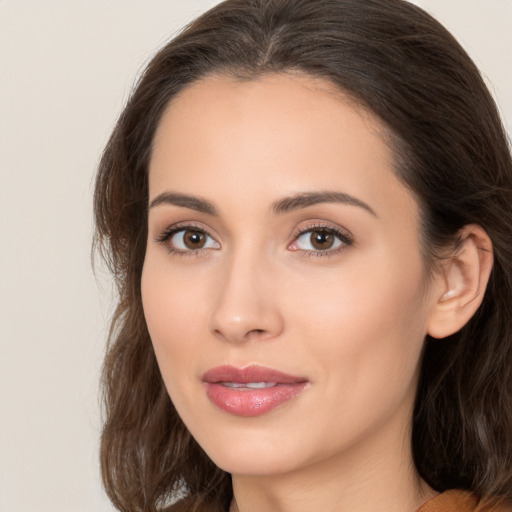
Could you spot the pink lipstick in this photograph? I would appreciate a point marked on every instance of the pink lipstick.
(250, 391)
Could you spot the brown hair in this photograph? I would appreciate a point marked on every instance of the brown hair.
(451, 151)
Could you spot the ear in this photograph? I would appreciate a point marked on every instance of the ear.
(461, 284)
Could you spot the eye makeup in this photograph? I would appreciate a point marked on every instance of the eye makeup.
(315, 239)
(324, 240)
(187, 239)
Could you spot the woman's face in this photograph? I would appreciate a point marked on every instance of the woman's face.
(283, 286)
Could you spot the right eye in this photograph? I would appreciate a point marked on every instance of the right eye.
(188, 239)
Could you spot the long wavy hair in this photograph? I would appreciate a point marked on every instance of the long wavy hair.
(451, 151)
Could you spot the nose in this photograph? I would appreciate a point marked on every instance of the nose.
(245, 305)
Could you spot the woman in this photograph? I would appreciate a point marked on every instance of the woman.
(306, 207)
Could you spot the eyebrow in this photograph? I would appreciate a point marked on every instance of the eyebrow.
(306, 199)
(286, 205)
(185, 201)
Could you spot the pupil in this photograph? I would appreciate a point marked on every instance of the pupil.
(194, 239)
(322, 240)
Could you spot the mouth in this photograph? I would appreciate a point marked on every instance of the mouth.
(250, 391)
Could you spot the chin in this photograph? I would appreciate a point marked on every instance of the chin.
(254, 463)
(255, 451)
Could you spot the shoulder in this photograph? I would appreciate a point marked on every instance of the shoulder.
(456, 500)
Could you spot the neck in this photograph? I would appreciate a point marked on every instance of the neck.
(377, 477)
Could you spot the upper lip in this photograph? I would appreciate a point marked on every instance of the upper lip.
(253, 373)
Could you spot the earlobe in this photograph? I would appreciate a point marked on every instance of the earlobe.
(462, 283)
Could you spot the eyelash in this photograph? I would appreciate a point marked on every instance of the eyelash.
(345, 238)
(168, 233)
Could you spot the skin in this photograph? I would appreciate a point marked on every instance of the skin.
(352, 319)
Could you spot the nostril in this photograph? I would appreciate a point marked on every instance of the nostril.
(255, 333)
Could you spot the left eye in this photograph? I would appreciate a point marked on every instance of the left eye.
(318, 240)
(191, 240)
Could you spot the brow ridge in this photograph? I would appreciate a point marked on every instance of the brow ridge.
(285, 205)
(184, 201)
(303, 200)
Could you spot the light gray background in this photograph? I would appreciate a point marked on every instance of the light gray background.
(66, 68)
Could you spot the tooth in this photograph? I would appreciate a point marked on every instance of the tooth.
(250, 385)
(260, 385)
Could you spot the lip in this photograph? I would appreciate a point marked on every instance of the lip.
(225, 388)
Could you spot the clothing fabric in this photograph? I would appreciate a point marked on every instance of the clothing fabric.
(459, 501)
(450, 501)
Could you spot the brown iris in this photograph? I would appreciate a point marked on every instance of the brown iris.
(321, 240)
(194, 239)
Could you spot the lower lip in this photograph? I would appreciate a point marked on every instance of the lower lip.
(252, 402)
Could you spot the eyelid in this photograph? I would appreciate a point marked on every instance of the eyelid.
(340, 233)
(167, 233)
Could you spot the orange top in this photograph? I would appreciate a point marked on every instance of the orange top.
(459, 501)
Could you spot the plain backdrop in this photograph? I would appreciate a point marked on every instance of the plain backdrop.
(66, 69)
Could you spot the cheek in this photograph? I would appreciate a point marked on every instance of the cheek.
(365, 328)
(171, 309)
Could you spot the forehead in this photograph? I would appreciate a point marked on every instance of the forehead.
(275, 107)
(276, 135)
